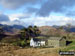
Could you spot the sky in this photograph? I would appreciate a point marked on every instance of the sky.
(37, 12)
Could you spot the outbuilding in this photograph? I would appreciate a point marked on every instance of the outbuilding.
(56, 42)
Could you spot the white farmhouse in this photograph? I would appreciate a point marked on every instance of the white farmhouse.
(34, 42)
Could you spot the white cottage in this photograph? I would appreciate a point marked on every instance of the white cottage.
(34, 42)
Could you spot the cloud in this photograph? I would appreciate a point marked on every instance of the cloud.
(13, 19)
(31, 10)
(35, 7)
(46, 21)
(18, 16)
(71, 14)
(14, 4)
(54, 6)
(4, 18)
(45, 6)
(17, 22)
(52, 20)
(42, 21)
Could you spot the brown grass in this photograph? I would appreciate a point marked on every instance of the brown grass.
(16, 51)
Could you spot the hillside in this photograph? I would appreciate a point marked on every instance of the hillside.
(14, 29)
(51, 31)
(8, 47)
(10, 50)
(71, 29)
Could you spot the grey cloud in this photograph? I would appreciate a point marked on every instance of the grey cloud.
(47, 6)
(4, 18)
(71, 14)
(23, 17)
(55, 6)
(32, 10)
(14, 4)
(19, 22)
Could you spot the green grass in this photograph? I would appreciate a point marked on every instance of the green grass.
(69, 47)
(72, 44)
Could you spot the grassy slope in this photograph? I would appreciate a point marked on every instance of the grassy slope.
(70, 47)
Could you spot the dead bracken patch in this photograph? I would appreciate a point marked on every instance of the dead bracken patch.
(17, 51)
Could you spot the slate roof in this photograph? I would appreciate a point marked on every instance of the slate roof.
(55, 38)
(37, 39)
(50, 38)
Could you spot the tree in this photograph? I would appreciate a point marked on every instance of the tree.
(1, 30)
(23, 42)
(33, 31)
(23, 33)
(27, 33)
(36, 31)
(30, 31)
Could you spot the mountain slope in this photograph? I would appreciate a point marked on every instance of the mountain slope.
(11, 29)
(71, 29)
(51, 31)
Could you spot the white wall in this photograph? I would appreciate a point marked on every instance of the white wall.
(38, 43)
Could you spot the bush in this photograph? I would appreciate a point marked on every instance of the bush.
(21, 43)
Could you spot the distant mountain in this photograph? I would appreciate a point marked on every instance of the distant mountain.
(18, 26)
(1, 25)
(11, 29)
(55, 26)
(13, 26)
(72, 28)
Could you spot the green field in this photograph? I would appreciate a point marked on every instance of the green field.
(70, 47)
(73, 43)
